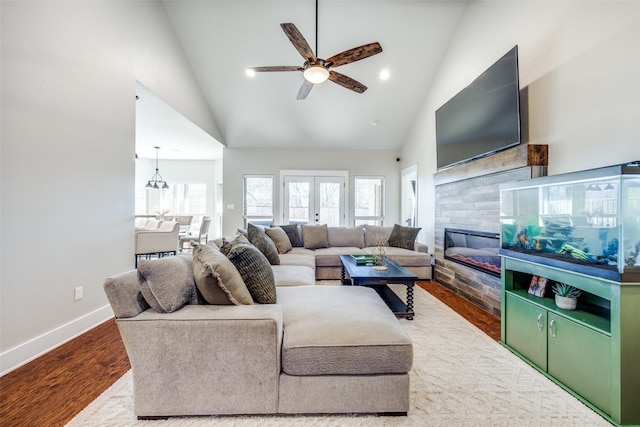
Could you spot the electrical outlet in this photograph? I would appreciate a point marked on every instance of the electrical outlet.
(78, 293)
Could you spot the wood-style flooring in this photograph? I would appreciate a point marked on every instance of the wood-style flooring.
(54, 388)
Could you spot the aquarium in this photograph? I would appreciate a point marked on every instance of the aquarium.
(587, 221)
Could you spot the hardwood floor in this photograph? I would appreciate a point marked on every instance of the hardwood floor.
(52, 389)
(487, 323)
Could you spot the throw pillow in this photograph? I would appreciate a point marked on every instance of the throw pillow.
(280, 238)
(293, 232)
(346, 236)
(255, 270)
(403, 237)
(226, 244)
(315, 236)
(167, 283)
(261, 241)
(376, 234)
(217, 279)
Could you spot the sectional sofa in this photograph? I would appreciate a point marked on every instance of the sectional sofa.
(223, 331)
(314, 251)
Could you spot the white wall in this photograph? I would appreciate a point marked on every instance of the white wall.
(579, 71)
(69, 71)
(238, 162)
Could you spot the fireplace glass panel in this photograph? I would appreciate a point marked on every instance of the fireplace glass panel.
(475, 249)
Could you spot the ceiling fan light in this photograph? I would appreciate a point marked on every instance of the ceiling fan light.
(316, 74)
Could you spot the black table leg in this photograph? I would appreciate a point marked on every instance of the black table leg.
(343, 277)
(410, 299)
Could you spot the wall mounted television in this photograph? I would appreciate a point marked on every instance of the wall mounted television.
(482, 118)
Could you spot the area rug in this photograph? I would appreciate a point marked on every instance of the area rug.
(460, 377)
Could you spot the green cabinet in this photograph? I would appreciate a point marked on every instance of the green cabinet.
(591, 351)
(580, 358)
(577, 356)
(527, 329)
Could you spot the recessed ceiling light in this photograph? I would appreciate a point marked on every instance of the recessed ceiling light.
(385, 74)
(374, 123)
(250, 72)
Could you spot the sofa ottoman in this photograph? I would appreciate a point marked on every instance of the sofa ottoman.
(342, 340)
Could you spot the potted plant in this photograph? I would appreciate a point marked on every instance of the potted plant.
(566, 296)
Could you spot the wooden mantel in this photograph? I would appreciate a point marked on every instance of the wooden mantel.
(513, 158)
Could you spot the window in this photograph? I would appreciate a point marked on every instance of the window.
(258, 199)
(369, 200)
(180, 198)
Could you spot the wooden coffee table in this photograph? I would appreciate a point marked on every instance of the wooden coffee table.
(365, 275)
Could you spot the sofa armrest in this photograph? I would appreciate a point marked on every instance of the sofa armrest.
(205, 359)
(123, 293)
(421, 247)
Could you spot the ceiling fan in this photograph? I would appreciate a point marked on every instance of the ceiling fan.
(317, 70)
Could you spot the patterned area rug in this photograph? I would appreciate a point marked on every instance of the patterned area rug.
(460, 377)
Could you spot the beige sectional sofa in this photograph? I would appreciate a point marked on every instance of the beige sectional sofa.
(223, 331)
(320, 260)
(317, 349)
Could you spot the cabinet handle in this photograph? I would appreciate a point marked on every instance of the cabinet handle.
(539, 321)
(551, 328)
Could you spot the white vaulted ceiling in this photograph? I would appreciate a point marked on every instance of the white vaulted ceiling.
(222, 38)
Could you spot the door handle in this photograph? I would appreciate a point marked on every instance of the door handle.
(551, 328)
(539, 321)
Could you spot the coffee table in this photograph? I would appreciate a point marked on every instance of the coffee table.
(365, 275)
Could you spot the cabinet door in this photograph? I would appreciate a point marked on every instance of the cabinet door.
(581, 359)
(526, 330)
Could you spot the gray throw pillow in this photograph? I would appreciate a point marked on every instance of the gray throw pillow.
(255, 270)
(375, 235)
(217, 279)
(280, 238)
(167, 283)
(346, 236)
(315, 236)
(293, 232)
(403, 237)
(260, 240)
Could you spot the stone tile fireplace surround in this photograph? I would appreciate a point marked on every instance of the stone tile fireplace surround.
(467, 197)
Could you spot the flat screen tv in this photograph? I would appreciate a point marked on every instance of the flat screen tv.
(483, 118)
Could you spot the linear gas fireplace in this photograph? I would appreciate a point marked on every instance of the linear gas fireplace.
(475, 249)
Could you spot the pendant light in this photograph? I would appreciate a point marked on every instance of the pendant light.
(156, 181)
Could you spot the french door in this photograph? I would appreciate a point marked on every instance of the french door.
(314, 200)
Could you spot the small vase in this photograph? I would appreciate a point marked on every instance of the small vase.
(381, 264)
(566, 303)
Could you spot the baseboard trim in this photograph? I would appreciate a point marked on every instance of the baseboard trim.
(36, 347)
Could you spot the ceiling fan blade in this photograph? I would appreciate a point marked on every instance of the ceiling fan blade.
(276, 68)
(355, 54)
(304, 89)
(347, 82)
(299, 42)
